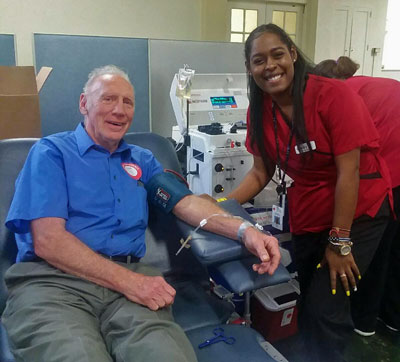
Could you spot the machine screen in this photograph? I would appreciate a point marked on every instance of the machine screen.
(223, 102)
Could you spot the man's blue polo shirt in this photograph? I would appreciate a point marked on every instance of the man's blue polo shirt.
(100, 195)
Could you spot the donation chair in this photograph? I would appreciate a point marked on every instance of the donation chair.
(13, 153)
(196, 309)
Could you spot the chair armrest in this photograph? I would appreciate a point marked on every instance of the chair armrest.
(229, 262)
(210, 248)
(239, 277)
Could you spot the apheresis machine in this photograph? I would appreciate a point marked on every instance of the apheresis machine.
(210, 110)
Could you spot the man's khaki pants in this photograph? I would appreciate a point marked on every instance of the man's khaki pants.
(53, 316)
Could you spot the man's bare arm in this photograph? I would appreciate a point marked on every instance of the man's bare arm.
(67, 253)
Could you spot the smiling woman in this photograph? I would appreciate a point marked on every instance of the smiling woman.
(299, 123)
(108, 106)
(271, 66)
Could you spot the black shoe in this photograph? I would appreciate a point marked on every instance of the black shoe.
(364, 333)
(388, 326)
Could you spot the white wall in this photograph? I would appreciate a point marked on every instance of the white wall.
(215, 20)
(161, 19)
(376, 33)
(172, 19)
(309, 28)
(378, 72)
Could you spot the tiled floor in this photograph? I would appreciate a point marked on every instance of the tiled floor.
(384, 346)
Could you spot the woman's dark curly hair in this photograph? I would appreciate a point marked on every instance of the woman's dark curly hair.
(342, 68)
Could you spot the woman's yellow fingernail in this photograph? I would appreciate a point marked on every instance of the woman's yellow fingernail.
(348, 293)
(359, 277)
(318, 266)
(333, 291)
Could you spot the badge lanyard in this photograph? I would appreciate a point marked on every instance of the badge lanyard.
(281, 188)
(278, 211)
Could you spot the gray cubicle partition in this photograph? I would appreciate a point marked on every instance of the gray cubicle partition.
(7, 50)
(167, 56)
(72, 57)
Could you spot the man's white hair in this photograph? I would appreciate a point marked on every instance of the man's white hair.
(106, 69)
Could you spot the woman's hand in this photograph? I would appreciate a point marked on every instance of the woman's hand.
(342, 267)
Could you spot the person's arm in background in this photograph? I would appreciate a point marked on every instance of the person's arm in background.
(346, 191)
(193, 209)
(254, 182)
(346, 195)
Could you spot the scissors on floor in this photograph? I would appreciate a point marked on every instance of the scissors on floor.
(219, 337)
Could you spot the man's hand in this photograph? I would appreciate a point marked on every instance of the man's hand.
(152, 292)
(265, 247)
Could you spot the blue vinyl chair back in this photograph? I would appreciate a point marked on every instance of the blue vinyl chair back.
(13, 153)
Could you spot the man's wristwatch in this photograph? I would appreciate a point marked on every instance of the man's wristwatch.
(341, 246)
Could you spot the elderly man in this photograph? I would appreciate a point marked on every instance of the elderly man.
(78, 291)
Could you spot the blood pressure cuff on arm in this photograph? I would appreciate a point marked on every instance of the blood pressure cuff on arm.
(165, 190)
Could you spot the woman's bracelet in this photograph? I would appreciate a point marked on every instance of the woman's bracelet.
(337, 230)
(336, 240)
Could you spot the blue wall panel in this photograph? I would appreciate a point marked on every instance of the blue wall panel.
(72, 58)
(7, 51)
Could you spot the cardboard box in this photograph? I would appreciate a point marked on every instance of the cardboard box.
(274, 311)
(19, 103)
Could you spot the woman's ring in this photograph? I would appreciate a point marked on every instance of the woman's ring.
(343, 275)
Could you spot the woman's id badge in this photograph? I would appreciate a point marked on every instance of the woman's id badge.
(277, 217)
(278, 212)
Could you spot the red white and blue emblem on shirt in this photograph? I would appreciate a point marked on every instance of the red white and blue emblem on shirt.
(132, 170)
